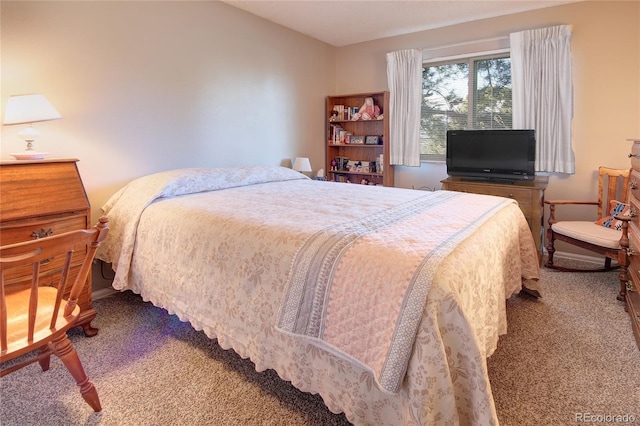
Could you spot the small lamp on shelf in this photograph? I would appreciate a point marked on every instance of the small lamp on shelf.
(29, 109)
(302, 165)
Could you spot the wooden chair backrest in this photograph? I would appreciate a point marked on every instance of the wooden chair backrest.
(613, 184)
(30, 254)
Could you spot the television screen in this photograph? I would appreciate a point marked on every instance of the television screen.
(491, 154)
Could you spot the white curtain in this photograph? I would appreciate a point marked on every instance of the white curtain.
(543, 93)
(404, 76)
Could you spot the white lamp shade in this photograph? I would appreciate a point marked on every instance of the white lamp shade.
(29, 108)
(302, 164)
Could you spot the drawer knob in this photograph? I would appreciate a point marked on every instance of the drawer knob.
(633, 184)
(41, 233)
(634, 155)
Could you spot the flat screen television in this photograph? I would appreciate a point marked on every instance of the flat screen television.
(491, 154)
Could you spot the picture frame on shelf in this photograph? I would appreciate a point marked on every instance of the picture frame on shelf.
(372, 140)
(342, 134)
(357, 140)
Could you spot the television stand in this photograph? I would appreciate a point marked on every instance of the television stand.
(528, 193)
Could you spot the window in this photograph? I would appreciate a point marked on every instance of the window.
(474, 93)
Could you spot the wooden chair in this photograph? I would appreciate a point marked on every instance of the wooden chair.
(33, 320)
(613, 184)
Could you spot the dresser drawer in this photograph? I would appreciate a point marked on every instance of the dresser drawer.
(634, 268)
(634, 184)
(634, 249)
(634, 243)
(29, 229)
(635, 208)
(522, 196)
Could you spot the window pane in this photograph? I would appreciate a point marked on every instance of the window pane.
(454, 98)
(492, 96)
(445, 91)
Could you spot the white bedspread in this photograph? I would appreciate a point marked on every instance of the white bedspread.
(221, 259)
(367, 280)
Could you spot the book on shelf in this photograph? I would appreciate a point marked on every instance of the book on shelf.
(344, 113)
(334, 135)
(338, 135)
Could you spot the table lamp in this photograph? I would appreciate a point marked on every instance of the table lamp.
(29, 109)
(302, 164)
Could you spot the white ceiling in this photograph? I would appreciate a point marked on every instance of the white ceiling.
(344, 22)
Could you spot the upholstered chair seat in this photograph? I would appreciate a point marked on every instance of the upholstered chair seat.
(589, 232)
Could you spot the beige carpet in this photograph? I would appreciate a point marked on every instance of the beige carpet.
(569, 354)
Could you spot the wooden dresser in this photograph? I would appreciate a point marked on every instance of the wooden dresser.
(528, 194)
(632, 295)
(40, 198)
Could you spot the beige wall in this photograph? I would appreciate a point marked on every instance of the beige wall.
(606, 76)
(148, 86)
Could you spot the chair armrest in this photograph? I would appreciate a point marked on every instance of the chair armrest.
(553, 203)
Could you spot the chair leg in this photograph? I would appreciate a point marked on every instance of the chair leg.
(44, 357)
(550, 247)
(63, 348)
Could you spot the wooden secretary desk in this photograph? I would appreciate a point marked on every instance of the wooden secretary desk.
(39, 198)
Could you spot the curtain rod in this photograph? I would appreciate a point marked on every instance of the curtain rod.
(466, 43)
(466, 55)
(484, 40)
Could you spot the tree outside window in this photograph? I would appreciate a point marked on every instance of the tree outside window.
(453, 98)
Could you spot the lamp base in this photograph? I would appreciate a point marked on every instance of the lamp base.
(29, 155)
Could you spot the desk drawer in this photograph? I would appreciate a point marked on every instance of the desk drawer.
(25, 230)
(20, 279)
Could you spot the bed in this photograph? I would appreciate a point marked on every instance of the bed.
(385, 301)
